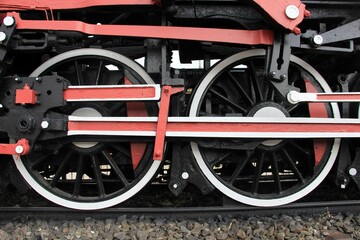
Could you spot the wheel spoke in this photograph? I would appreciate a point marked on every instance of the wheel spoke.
(121, 149)
(115, 167)
(61, 170)
(118, 109)
(271, 94)
(255, 81)
(299, 148)
(240, 88)
(40, 160)
(99, 72)
(97, 173)
(227, 101)
(292, 165)
(291, 108)
(239, 169)
(257, 174)
(220, 159)
(79, 175)
(276, 173)
(79, 75)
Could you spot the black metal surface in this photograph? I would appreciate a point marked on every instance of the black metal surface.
(356, 165)
(24, 121)
(345, 32)
(278, 61)
(5, 61)
(184, 163)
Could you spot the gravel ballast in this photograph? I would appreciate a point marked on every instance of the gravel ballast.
(325, 226)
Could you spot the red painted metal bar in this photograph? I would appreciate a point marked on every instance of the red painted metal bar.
(275, 9)
(287, 13)
(339, 97)
(249, 37)
(108, 93)
(271, 126)
(167, 91)
(20, 148)
(11, 5)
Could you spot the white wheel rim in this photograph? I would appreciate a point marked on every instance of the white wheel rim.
(209, 174)
(89, 205)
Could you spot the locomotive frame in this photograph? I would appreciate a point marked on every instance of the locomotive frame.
(44, 107)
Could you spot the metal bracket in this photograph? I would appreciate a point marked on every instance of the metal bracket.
(184, 170)
(7, 30)
(354, 169)
(343, 163)
(278, 60)
(345, 32)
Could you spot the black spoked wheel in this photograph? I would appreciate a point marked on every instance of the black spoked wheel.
(261, 172)
(88, 172)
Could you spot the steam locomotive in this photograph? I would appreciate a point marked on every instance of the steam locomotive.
(98, 99)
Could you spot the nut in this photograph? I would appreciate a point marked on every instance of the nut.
(9, 21)
(19, 149)
(292, 11)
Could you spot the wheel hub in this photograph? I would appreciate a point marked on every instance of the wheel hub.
(269, 110)
(86, 112)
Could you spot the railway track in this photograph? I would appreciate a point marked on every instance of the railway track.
(59, 213)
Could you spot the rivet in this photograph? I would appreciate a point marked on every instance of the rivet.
(175, 186)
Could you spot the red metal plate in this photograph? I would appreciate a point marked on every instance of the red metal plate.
(317, 110)
(249, 37)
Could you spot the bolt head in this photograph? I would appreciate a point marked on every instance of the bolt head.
(2, 36)
(318, 39)
(9, 21)
(185, 175)
(175, 186)
(352, 171)
(292, 12)
(19, 149)
(44, 124)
